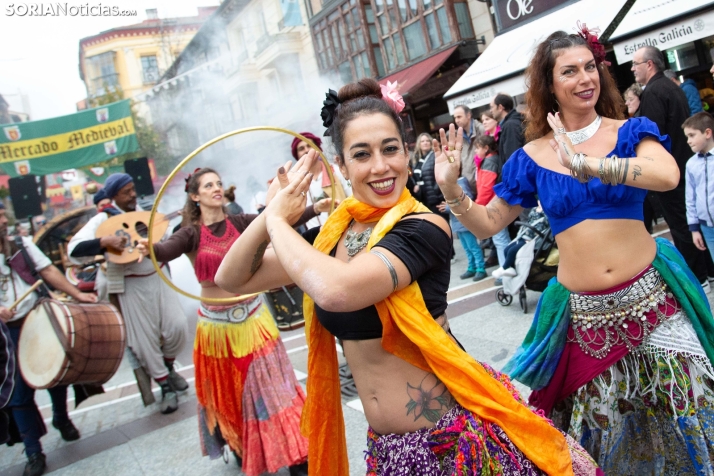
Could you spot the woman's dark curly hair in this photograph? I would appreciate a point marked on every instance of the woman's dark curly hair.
(539, 79)
(191, 213)
(358, 99)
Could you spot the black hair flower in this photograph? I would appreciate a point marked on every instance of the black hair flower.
(329, 109)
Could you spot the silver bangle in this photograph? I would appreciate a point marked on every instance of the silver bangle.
(392, 271)
(577, 168)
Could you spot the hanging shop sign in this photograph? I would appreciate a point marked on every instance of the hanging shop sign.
(510, 13)
(67, 142)
(666, 37)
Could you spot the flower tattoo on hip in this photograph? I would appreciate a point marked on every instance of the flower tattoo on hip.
(430, 399)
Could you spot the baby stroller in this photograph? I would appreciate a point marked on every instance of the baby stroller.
(536, 263)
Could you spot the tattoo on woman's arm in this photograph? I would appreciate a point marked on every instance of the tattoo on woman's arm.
(493, 209)
(258, 257)
(636, 172)
(430, 399)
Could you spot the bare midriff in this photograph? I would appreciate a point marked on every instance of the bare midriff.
(599, 254)
(211, 291)
(386, 385)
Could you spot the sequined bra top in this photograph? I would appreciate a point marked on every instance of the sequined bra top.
(212, 249)
(566, 201)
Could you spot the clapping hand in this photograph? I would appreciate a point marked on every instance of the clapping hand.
(560, 142)
(292, 169)
(289, 202)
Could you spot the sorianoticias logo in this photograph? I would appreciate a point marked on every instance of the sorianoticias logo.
(12, 133)
(102, 114)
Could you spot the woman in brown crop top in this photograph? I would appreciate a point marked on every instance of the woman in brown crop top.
(414, 381)
(246, 388)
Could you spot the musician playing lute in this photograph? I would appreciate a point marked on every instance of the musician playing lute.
(156, 326)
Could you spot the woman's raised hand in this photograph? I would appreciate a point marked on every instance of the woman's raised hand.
(447, 153)
(292, 169)
(289, 203)
(560, 142)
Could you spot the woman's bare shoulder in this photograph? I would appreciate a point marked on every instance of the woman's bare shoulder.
(537, 148)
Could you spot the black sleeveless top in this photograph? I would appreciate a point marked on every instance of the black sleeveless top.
(425, 249)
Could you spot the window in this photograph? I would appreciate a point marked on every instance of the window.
(464, 20)
(409, 29)
(101, 72)
(414, 36)
(150, 69)
(340, 41)
(376, 37)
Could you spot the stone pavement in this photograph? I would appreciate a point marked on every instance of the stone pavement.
(121, 437)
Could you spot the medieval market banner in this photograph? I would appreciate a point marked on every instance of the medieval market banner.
(67, 142)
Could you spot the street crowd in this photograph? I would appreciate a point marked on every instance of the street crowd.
(620, 354)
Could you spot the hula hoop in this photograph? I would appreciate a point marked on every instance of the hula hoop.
(188, 158)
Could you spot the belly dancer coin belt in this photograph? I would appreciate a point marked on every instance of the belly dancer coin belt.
(603, 321)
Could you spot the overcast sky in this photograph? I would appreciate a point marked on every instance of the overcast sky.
(39, 54)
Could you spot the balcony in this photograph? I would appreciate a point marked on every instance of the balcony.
(270, 47)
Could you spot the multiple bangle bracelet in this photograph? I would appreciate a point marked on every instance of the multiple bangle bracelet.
(458, 201)
(612, 170)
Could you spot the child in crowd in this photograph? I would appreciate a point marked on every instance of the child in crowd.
(476, 267)
(536, 219)
(699, 130)
(487, 176)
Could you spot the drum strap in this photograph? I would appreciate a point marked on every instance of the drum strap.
(29, 268)
(57, 328)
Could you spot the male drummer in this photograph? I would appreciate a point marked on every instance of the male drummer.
(22, 403)
(156, 326)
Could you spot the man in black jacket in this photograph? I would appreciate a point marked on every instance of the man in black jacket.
(511, 121)
(666, 105)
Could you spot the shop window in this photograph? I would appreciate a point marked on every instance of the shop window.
(682, 57)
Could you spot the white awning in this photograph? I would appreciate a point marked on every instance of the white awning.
(652, 20)
(499, 68)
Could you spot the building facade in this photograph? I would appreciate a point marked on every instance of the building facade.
(133, 58)
(251, 63)
(423, 45)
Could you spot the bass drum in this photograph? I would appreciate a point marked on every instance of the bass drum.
(64, 343)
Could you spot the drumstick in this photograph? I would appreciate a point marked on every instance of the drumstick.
(27, 293)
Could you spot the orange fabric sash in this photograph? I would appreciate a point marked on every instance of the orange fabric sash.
(410, 333)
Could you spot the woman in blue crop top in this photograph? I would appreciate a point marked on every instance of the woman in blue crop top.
(613, 356)
(378, 272)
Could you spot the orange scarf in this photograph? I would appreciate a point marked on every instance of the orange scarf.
(410, 333)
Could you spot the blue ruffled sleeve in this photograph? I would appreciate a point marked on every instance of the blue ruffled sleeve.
(633, 131)
(518, 185)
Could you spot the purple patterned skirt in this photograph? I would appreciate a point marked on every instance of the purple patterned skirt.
(460, 443)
